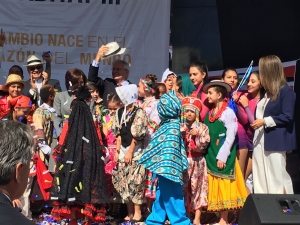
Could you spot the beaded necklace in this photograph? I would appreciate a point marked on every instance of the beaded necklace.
(212, 118)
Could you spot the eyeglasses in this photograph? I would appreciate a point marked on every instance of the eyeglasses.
(32, 68)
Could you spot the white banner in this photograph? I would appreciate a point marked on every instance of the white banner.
(73, 31)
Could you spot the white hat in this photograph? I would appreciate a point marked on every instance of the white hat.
(127, 93)
(166, 74)
(33, 60)
(114, 49)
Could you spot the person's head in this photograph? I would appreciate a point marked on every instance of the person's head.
(230, 76)
(15, 69)
(254, 85)
(146, 85)
(128, 94)
(16, 149)
(271, 75)
(198, 73)
(47, 94)
(22, 108)
(178, 84)
(94, 91)
(191, 109)
(120, 70)
(34, 67)
(74, 79)
(14, 85)
(217, 91)
(169, 106)
(169, 79)
(113, 103)
(160, 89)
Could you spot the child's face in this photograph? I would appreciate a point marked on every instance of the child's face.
(141, 89)
(95, 95)
(22, 112)
(169, 82)
(112, 107)
(190, 115)
(213, 96)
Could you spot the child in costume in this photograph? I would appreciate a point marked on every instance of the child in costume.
(131, 128)
(165, 156)
(79, 182)
(226, 187)
(196, 138)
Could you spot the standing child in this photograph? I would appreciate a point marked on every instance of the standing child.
(226, 187)
(165, 157)
(196, 138)
(131, 127)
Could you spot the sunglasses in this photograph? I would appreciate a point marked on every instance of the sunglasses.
(32, 68)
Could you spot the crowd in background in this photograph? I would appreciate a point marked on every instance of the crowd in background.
(168, 150)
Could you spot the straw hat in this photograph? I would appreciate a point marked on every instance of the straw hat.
(114, 49)
(13, 78)
(33, 60)
(217, 83)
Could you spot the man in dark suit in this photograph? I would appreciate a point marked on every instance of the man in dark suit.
(120, 73)
(16, 145)
(37, 78)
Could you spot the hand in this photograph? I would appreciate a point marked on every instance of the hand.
(101, 52)
(244, 101)
(193, 132)
(45, 77)
(47, 57)
(221, 165)
(235, 96)
(128, 156)
(257, 123)
(17, 203)
(32, 82)
(2, 38)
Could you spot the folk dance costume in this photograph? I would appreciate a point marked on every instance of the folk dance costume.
(129, 178)
(79, 182)
(226, 187)
(165, 156)
(196, 181)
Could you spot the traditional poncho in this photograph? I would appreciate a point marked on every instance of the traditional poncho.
(165, 155)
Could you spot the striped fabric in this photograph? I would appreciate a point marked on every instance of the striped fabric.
(165, 155)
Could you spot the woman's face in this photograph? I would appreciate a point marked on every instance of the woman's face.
(169, 82)
(253, 85)
(197, 76)
(231, 78)
(14, 90)
(213, 96)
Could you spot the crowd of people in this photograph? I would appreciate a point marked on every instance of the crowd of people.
(167, 150)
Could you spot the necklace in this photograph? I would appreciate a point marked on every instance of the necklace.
(213, 117)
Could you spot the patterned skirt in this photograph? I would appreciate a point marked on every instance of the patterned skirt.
(129, 181)
(225, 194)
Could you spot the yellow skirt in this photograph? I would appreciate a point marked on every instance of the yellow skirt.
(225, 194)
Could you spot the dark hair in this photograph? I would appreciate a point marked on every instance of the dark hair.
(113, 98)
(179, 83)
(72, 78)
(221, 89)
(150, 82)
(228, 69)
(46, 91)
(15, 69)
(91, 86)
(157, 91)
(201, 66)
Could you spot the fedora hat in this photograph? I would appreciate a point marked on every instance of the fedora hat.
(217, 83)
(13, 78)
(114, 49)
(33, 60)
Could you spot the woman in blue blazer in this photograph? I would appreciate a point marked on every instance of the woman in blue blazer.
(274, 130)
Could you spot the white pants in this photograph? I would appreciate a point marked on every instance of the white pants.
(269, 172)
